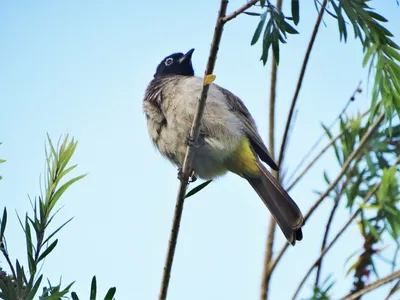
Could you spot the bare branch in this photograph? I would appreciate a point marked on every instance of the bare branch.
(239, 11)
(332, 214)
(186, 169)
(373, 286)
(328, 227)
(300, 82)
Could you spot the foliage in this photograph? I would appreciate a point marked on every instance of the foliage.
(322, 292)
(24, 282)
(381, 52)
(275, 28)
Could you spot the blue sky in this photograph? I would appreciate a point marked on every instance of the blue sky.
(81, 67)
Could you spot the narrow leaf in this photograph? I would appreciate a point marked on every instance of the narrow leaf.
(197, 189)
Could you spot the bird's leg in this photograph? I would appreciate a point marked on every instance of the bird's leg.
(192, 176)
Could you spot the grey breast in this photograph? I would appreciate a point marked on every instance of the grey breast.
(161, 119)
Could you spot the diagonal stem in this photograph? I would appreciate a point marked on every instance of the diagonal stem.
(186, 169)
(300, 82)
(266, 276)
(194, 134)
(373, 286)
(239, 11)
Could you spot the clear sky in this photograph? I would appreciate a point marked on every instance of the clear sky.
(81, 67)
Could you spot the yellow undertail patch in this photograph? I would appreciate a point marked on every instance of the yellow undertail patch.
(243, 161)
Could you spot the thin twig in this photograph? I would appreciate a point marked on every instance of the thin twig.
(328, 226)
(319, 155)
(300, 82)
(186, 168)
(266, 276)
(323, 135)
(239, 11)
(332, 214)
(345, 167)
(373, 286)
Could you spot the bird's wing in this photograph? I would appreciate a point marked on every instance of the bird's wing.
(256, 141)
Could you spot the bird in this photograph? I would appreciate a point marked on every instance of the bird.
(229, 140)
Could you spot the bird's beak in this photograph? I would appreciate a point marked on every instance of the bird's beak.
(187, 56)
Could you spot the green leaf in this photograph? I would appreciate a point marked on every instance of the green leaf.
(377, 16)
(57, 230)
(259, 28)
(289, 28)
(62, 189)
(93, 289)
(48, 250)
(3, 225)
(295, 11)
(275, 51)
(2, 161)
(371, 50)
(326, 177)
(197, 189)
(110, 294)
(74, 296)
(252, 13)
(335, 147)
(29, 245)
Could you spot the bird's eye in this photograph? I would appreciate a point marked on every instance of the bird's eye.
(169, 61)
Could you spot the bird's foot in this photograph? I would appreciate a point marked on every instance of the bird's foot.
(190, 141)
(192, 176)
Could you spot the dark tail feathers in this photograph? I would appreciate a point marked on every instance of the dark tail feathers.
(285, 211)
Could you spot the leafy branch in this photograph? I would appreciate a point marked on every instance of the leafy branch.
(380, 50)
(273, 23)
(25, 282)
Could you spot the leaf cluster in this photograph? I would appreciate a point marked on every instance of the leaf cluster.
(274, 28)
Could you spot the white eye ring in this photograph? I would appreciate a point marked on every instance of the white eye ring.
(169, 61)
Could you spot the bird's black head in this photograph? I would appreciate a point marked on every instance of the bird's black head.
(177, 64)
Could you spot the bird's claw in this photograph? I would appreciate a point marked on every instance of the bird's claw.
(192, 177)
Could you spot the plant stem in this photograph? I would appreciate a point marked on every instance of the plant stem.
(300, 82)
(194, 134)
(373, 286)
(239, 11)
(328, 226)
(266, 276)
